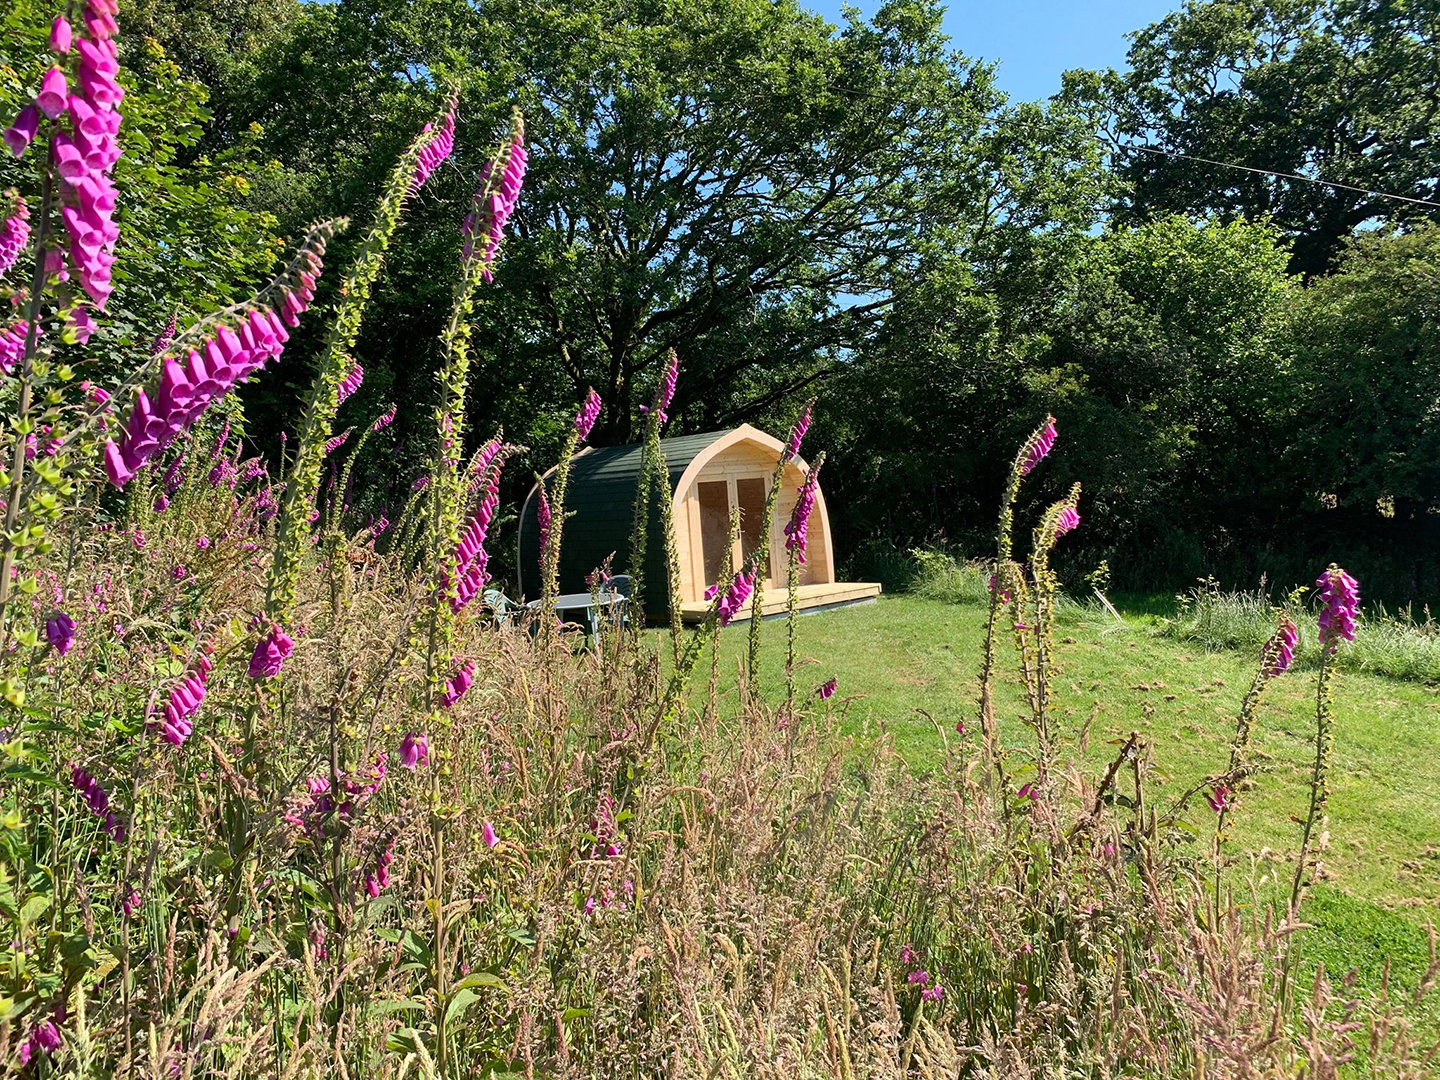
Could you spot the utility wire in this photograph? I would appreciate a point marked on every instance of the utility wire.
(1284, 175)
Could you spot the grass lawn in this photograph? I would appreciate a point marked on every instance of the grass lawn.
(901, 655)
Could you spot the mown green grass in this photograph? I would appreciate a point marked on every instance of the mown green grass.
(907, 665)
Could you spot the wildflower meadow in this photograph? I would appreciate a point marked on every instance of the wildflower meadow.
(290, 790)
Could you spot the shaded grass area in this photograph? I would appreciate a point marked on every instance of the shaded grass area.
(907, 666)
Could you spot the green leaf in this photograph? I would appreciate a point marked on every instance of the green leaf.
(459, 1002)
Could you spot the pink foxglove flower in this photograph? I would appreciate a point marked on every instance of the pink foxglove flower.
(14, 234)
(53, 93)
(471, 560)
(414, 750)
(1069, 518)
(1285, 639)
(43, 1040)
(666, 393)
(378, 877)
(485, 224)
(12, 344)
(421, 483)
(165, 337)
(20, 134)
(270, 654)
(797, 530)
(588, 414)
(1037, 446)
(458, 683)
(797, 433)
(60, 35)
(97, 800)
(333, 444)
(353, 378)
(734, 599)
(384, 420)
(1218, 797)
(175, 724)
(60, 632)
(828, 688)
(231, 354)
(1340, 600)
(434, 152)
(487, 833)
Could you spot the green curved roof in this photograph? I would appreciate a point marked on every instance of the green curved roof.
(601, 505)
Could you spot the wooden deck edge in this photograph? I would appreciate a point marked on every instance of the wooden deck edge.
(813, 598)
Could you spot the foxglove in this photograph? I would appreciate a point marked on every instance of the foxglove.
(1285, 639)
(270, 654)
(666, 393)
(588, 414)
(229, 355)
(496, 200)
(353, 378)
(98, 801)
(1340, 600)
(797, 433)
(1037, 446)
(414, 750)
(458, 683)
(734, 599)
(14, 234)
(796, 531)
(436, 150)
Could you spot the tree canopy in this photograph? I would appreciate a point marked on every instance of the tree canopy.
(1345, 91)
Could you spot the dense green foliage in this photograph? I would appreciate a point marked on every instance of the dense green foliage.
(859, 212)
(1344, 90)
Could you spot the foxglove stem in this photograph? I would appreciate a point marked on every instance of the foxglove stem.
(303, 483)
(761, 556)
(1274, 659)
(1060, 518)
(550, 554)
(1018, 469)
(498, 191)
(1340, 594)
(792, 617)
(706, 632)
(13, 497)
(654, 472)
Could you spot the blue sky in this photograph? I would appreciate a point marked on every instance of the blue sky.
(1035, 40)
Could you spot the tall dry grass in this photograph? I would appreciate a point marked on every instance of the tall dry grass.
(746, 896)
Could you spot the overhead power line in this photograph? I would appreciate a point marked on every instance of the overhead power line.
(1285, 175)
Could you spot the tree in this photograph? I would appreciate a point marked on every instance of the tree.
(1167, 368)
(735, 180)
(1342, 90)
(1365, 452)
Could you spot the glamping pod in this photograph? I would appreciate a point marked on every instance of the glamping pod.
(712, 476)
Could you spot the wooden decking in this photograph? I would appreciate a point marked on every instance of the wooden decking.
(812, 598)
